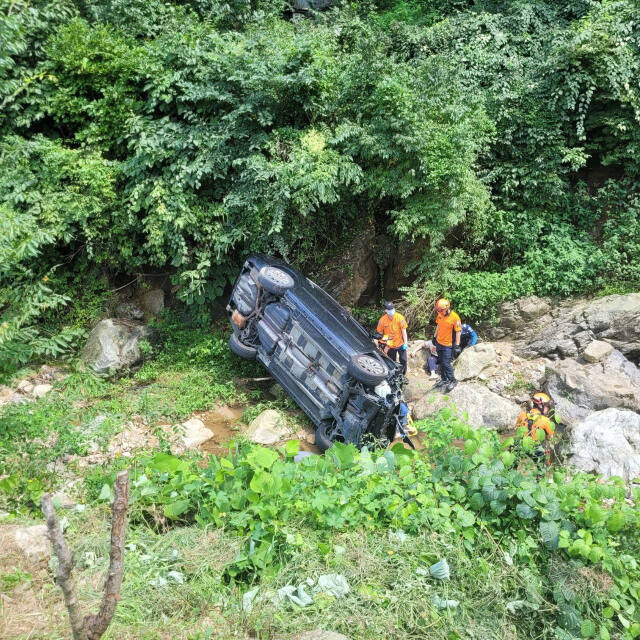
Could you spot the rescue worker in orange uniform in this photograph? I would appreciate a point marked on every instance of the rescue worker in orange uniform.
(530, 423)
(393, 328)
(447, 342)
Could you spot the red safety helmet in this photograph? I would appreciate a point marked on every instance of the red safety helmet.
(443, 305)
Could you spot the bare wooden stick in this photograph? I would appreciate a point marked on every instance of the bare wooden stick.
(64, 576)
(94, 625)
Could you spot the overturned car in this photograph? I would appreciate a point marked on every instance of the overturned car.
(318, 352)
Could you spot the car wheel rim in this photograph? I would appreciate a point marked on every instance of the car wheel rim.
(278, 276)
(371, 365)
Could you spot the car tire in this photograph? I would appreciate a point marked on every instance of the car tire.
(275, 281)
(367, 369)
(322, 439)
(242, 350)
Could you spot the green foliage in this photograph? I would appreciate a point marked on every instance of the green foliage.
(459, 493)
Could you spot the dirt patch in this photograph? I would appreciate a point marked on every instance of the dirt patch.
(225, 423)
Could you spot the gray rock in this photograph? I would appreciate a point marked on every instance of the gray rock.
(129, 310)
(33, 541)
(473, 360)
(608, 443)
(473, 402)
(267, 428)
(418, 387)
(41, 390)
(113, 346)
(580, 389)
(152, 302)
(194, 433)
(513, 314)
(596, 351)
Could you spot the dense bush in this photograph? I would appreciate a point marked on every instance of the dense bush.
(505, 134)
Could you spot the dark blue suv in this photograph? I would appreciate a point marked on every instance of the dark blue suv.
(323, 357)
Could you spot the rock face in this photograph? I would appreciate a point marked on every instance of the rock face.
(152, 302)
(482, 406)
(568, 332)
(473, 360)
(608, 443)
(355, 276)
(33, 541)
(514, 314)
(113, 346)
(267, 428)
(579, 389)
(596, 351)
(194, 433)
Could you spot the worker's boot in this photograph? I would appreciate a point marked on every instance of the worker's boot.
(440, 384)
(451, 385)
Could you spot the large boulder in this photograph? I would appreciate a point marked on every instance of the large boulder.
(608, 442)
(473, 402)
(513, 314)
(353, 277)
(579, 389)
(113, 346)
(267, 428)
(471, 362)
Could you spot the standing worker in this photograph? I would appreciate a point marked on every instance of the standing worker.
(393, 328)
(447, 341)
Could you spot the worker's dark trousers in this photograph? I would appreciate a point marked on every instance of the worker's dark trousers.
(444, 356)
(394, 354)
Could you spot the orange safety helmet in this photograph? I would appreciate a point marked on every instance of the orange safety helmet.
(540, 399)
(443, 305)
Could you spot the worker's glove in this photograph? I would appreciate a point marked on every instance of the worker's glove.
(456, 351)
(404, 346)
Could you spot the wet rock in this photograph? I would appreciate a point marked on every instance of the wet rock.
(194, 433)
(33, 542)
(267, 428)
(152, 302)
(597, 350)
(41, 390)
(608, 442)
(473, 360)
(113, 346)
(473, 402)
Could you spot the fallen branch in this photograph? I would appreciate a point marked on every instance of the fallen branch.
(93, 626)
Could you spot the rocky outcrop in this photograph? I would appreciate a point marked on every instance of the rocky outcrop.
(514, 314)
(267, 428)
(608, 442)
(473, 402)
(580, 389)
(114, 346)
(354, 278)
(473, 360)
(33, 542)
(566, 332)
(597, 351)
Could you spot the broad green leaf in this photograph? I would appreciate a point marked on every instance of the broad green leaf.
(106, 493)
(175, 509)
(616, 521)
(525, 511)
(550, 533)
(588, 628)
(261, 457)
(292, 448)
(167, 463)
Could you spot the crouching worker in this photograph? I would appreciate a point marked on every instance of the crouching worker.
(468, 336)
(393, 328)
(535, 430)
(432, 359)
